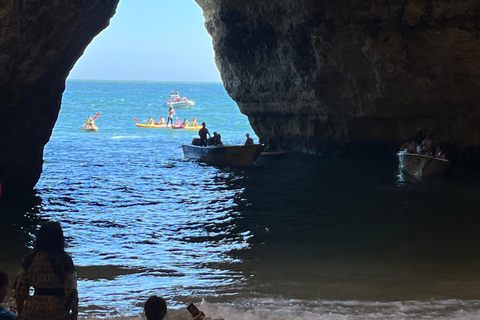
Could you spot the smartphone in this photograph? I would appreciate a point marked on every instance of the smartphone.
(193, 310)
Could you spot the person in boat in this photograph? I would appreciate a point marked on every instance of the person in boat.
(162, 120)
(150, 121)
(155, 308)
(215, 140)
(194, 122)
(419, 136)
(218, 140)
(89, 123)
(410, 147)
(249, 140)
(426, 147)
(439, 153)
(203, 132)
(185, 122)
(171, 112)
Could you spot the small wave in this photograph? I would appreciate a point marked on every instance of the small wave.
(125, 137)
(272, 309)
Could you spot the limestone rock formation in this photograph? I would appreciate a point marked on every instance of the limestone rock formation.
(40, 41)
(321, 75)
(317, 76)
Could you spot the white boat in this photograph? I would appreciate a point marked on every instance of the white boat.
(223, 155)
(421, 164)
(178, 102)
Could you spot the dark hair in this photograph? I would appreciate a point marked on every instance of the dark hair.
(4, 280)
(50, 237)
(155, 308)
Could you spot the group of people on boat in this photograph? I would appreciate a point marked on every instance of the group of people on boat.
(424, 144)
(215, 140)
(174, 97)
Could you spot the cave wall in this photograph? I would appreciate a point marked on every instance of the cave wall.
(318, 76)
(325, 76)
(40, 41)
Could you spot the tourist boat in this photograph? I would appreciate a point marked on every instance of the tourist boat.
(421, 164)
(174, 100)
(223, 155)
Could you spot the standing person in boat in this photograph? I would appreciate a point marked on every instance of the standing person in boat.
(419, 136)
(249, 140)
(426, 147)
(203, 135)
(171, 112)
(50, 271)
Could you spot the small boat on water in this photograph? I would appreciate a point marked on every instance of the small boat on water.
(223, 155)
(177, 102)
(89, 124)
(156, 125)
(181, 126)
(421, 164)
(89, 128)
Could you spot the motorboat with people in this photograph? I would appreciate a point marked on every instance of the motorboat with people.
(177, 102)
(421, 164)
(422, 159)
(222, 155)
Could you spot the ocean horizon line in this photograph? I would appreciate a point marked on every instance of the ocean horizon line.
(145, 81)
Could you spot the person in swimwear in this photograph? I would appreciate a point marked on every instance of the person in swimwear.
(171, 112)
(203, 135)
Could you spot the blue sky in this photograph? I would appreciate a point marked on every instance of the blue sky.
(152, 40)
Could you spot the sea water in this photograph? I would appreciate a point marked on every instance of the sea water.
(301, 237)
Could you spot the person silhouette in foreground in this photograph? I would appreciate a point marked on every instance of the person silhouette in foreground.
(50, 271)
(4, 284)
(156, 309)
(203, 135)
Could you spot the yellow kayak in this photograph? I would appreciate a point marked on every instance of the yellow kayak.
(144, 125)
(193, 127)
(89, 128)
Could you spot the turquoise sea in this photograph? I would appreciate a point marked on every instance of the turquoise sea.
(302, 237)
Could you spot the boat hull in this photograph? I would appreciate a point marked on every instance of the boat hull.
(91, 128)
(421, 165)
(180, 105)
(238, 156)
(144, 125)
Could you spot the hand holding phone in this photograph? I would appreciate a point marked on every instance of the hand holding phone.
(193, 310)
